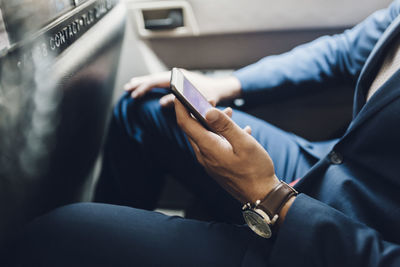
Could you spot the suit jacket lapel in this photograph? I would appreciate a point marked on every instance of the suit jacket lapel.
(387, 93)
(372, 65)
(362, 110)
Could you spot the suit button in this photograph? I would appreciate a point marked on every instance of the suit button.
(335, 157)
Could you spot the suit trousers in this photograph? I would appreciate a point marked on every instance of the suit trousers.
(144, 143)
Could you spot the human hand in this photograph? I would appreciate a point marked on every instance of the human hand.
(214, 89)
(232, 156)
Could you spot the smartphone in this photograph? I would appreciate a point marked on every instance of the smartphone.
(190, 97)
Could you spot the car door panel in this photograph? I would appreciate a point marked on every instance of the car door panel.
(233, 33)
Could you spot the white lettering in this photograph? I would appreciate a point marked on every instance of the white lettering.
(57, 40)
(62, 38)
(52, 45)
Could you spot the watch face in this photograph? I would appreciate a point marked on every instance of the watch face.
(257, 223)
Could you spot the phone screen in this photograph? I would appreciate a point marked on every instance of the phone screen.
(195, 98)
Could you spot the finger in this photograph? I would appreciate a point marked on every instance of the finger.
(161, 79)
(141, 90)
(228, 111)
(167, 100)
(133, 83)
(225, 126)
(212, 102)
(247, 129)
(193, 129)
(128, 87)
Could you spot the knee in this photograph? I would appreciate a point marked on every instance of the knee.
(73, 230)
(130, 111)
(45, 237)
(62, 221)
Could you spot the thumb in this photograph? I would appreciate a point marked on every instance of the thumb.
(247, 129)
(223, 125)
(167, 100)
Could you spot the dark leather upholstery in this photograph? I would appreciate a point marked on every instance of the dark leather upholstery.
(52, 123)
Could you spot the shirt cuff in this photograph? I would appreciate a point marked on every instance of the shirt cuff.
(243, 76)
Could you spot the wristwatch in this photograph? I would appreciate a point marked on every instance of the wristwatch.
(263, 214)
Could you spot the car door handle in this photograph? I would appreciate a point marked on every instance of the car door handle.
(172, 21)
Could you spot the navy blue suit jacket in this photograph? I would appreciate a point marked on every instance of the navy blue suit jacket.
(349, 211)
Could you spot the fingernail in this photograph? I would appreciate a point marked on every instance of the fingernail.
(134, 94)
(212, 115)
(228, 109)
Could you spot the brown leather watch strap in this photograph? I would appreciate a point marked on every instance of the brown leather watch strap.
(274, 201)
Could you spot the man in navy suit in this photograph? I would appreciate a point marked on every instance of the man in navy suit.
(346, 211)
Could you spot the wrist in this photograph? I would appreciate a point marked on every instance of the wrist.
(270, 212)
(285, 210)
(260, 192)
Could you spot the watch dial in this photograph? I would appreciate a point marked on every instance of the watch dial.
(257, 223)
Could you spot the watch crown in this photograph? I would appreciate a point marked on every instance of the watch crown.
(263, 214)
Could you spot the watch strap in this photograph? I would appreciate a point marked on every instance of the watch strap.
(274, 200)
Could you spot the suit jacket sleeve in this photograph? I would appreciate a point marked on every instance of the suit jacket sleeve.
(334, 59)
(315, 234)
